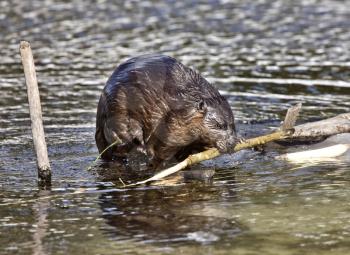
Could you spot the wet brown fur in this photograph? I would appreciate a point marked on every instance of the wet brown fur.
(155, 104)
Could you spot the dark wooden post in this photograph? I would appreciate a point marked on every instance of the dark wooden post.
(44, 169)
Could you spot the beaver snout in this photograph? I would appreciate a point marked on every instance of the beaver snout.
(227, 145)
(219, 127)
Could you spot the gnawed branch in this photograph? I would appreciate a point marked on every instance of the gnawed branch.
(213, 153)
(309, 131)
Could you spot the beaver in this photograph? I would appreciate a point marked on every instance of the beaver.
(157, 105)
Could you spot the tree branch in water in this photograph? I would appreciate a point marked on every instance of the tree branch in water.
(313, 131)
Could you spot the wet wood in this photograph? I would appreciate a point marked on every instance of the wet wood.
(213, 153)
(326, 153)
(312, 131)
(319, 130)
(44, 169)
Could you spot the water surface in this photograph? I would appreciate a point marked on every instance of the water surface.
(264, 56)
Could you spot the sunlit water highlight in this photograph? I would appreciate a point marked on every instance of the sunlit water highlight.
(264, 56)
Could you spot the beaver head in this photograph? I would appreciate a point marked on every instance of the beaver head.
(204, 112)
(217, 124)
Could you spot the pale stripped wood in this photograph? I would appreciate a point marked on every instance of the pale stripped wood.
(44, 169)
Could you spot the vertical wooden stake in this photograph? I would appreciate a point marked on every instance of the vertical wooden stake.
(44, 169)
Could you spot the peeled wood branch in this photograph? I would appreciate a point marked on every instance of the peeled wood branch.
(314, 131)
(213, 153)
(44, 169)
(309, 131)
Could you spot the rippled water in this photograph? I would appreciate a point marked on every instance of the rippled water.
(263, 55)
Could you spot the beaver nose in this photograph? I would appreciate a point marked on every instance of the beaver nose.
(231, 143)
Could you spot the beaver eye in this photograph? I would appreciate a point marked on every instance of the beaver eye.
(220, 126)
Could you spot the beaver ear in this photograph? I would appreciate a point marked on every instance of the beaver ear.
(202, 106)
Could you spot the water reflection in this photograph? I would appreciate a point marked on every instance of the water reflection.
(161, 215)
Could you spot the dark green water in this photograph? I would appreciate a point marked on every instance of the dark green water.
(300, 48)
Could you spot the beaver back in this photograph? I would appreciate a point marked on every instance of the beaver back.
(152, 100)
